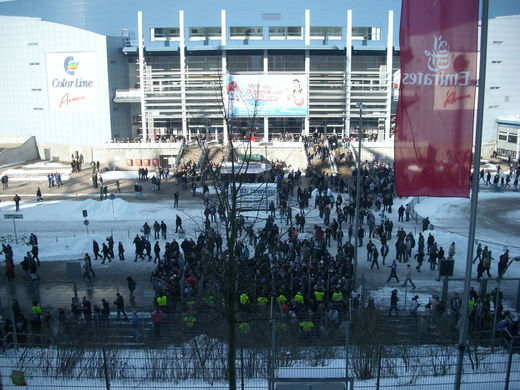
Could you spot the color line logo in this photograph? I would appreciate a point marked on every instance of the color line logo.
(70, 65)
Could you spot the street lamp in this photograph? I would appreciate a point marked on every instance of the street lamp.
(358, 191)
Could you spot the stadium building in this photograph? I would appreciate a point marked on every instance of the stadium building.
(79, 78)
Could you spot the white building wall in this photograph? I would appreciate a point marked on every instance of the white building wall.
(502, 98)
(24, 103)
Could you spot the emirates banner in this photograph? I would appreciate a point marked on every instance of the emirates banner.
(434, 128)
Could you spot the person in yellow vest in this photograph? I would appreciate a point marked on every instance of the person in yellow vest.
(161, 302)
(281, 299)
(306, 326)
(337, 298)
(262, 301)
(471, 304)
(298, 298)
(244, 299)
(36, 309)
(319, 295)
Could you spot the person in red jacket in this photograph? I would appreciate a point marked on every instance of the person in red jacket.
(95, 249)
(157, 318)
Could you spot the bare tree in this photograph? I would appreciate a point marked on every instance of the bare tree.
(227, 190)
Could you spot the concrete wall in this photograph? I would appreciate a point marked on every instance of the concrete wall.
(289, 152)
(25, 150)
(381, 151)
(113, 158)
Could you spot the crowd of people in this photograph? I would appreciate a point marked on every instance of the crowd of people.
(305, 270)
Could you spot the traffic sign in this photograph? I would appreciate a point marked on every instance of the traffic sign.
(13, 216)
(112, 196)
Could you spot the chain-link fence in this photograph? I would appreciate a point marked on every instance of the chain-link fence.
(201, 363)
(190, 351)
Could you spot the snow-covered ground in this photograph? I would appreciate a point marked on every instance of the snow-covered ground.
(63, 236)
(59, 225)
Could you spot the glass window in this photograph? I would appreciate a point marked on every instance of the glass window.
(366, 33)
(200, 33)
(246, 32)
(164, 33)
(325, 32)
(328, 63)
(512, 138)
(197, 62)
(245, 63)
(286, 62)
(294, 31)
(164, 63)
(502, 136)
(367, 62)
(285, 32)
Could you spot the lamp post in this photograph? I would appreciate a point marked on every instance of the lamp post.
(358, 191)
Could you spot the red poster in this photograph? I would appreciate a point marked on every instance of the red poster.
(434, 136)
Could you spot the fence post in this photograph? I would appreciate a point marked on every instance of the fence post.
(379, 350)
(105, 369)
(273, 354)
(242, 364)
(347, 346)
(11, 312)
(509, 362)
(444, 298)
(75, 290)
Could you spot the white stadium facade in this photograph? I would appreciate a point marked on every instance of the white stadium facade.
(76, 77)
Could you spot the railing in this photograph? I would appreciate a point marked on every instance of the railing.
(128, 94)
(200, 362)
(143, 145)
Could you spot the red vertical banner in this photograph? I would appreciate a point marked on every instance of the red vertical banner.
(434, 128)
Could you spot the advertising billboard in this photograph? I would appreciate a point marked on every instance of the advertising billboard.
(266, 95)
(72, 81)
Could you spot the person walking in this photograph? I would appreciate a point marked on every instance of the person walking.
(157, 252)
(110, 241)
(163, 230)
(360, 235)
(178, 224)
(86, 273)
(157, 318)
(136, 325)
(39, 195)
(95, 249)
(156, 230)
(393, 303)
(375, 255)
(131, 287)
(414, 306)
(451, 251)
(393, 272)
(88, 265)
(120, 306)
(17, 200)
(121, 251)
(384, 251)
(176, 199)
(106, 254)
(409, 277)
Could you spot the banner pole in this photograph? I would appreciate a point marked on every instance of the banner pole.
(474, 192)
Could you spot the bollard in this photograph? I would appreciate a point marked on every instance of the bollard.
(483, 287)
(444, 299)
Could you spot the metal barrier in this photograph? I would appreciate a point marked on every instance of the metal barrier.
(277, 355)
